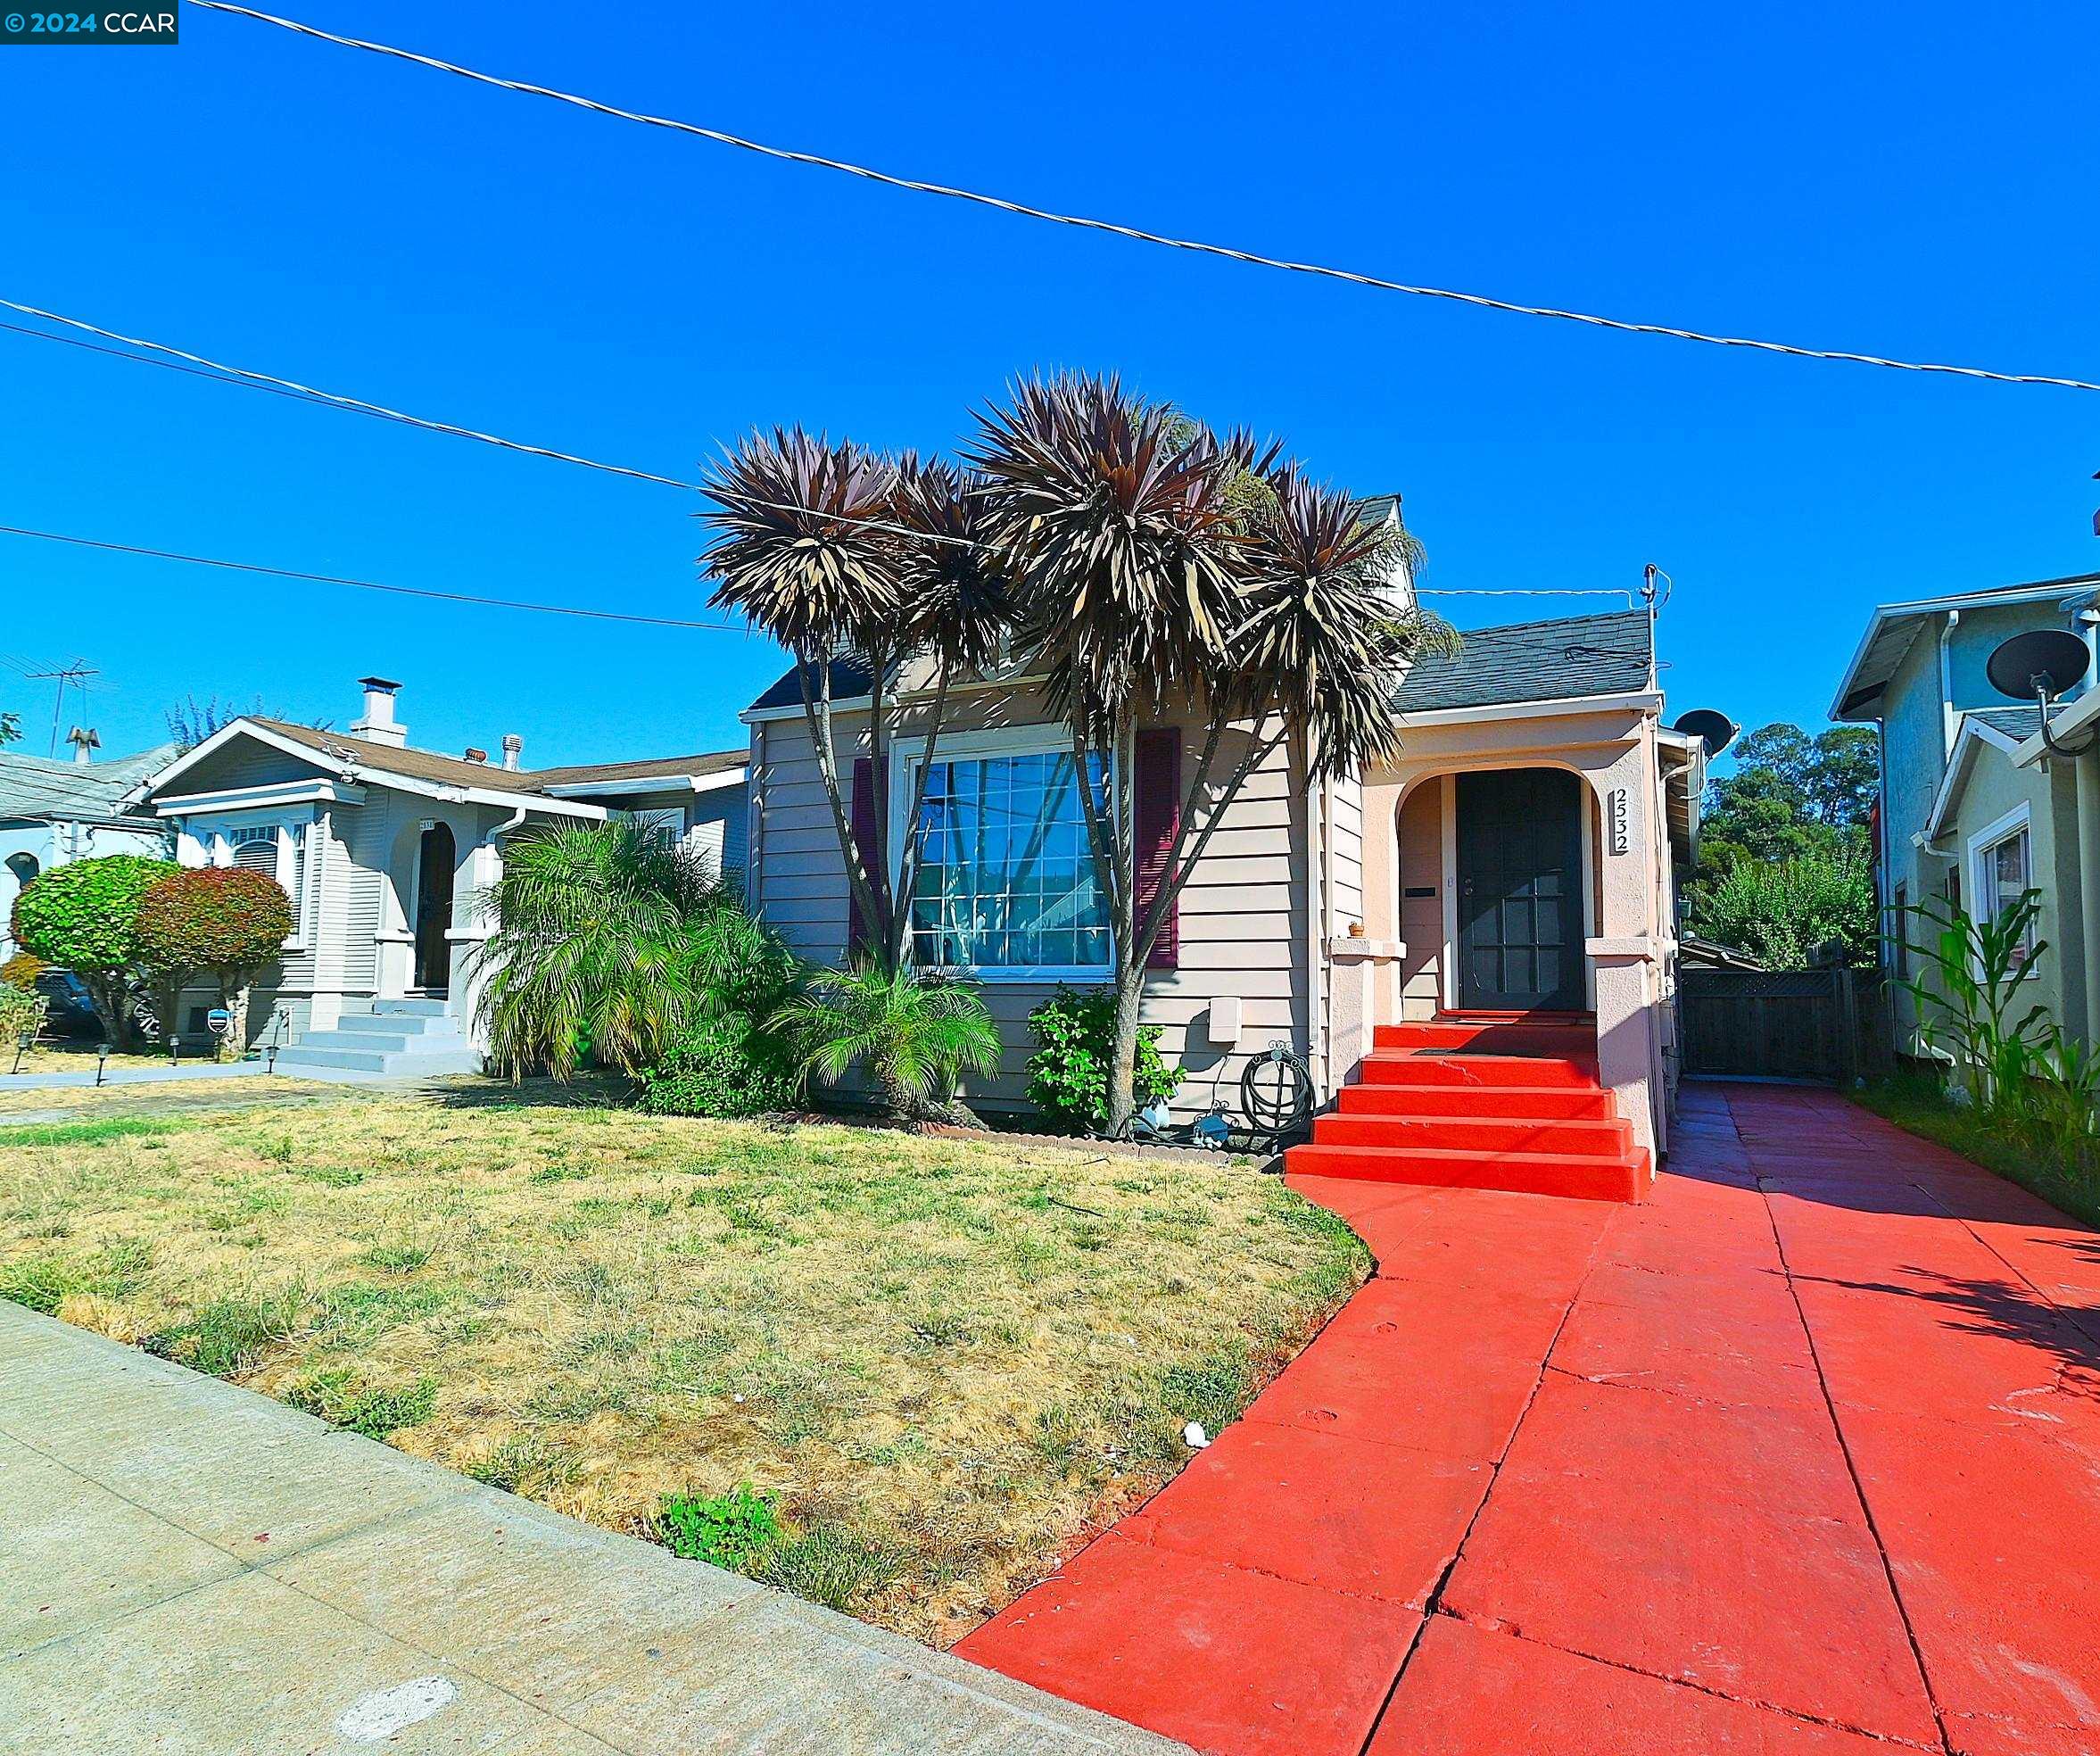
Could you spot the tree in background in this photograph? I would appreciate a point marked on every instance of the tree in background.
(84, 917)
(1786, 861)
(191, 722)
(1785, 913)
(1789, 794)
(225, 922)
(11, 728)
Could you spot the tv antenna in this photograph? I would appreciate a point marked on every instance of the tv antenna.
(75, 674)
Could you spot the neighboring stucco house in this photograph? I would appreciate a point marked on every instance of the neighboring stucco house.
(387, 853)
(1516, 856)
(1972, 810)
(52, 812)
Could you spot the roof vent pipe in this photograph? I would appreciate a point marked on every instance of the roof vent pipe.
(513, 746)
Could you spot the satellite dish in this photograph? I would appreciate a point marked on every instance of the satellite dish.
(1715, 730)
(2043, 663)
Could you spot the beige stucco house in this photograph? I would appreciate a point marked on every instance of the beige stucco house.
(388, 852)
(1517, 857)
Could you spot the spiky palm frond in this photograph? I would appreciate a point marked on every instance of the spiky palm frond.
(958, 589)
(1324, 637)
(795, 542)
(1121, 535)
(609, 940)
(915, 1033)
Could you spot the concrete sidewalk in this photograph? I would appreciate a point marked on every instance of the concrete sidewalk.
(188, 1567)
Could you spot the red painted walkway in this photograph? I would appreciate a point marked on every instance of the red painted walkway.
(1798, 1457)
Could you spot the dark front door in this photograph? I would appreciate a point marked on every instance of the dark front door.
(434, 910)
(1520, 890)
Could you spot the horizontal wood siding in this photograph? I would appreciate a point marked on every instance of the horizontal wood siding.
(1242, 911)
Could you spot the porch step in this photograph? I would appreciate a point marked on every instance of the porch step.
(409, 1008)
(432, 1063)
(399, 1024)
(1570, 1101)
(1491, 1036)
(1392, 1066)
(1573, 1176)
(1494, 1135)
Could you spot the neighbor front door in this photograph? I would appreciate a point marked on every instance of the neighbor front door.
(1520, 890)
(434, 910)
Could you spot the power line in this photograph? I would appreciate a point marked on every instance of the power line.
(219, 372)
(1251, 258)
(372, 586)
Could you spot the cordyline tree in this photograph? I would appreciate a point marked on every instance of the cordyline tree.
(1140, 563)
(837, 552)
(225, 922)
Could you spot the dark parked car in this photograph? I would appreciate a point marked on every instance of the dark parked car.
(70, 1014)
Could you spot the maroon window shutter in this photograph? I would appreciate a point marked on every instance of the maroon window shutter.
(1155, 781)
(857, 928)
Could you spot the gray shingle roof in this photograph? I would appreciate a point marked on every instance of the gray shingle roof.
(851, 678)
(32, 786)
(456, 771)
(2018, 724)
(1534, 661)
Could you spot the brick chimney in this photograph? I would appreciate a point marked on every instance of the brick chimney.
(378, 725)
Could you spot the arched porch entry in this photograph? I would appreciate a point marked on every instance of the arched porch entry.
(1490, 886)
(416, 938)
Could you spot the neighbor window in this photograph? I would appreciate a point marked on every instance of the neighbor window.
(2003, 872)
(1006, 876)
(665, 824)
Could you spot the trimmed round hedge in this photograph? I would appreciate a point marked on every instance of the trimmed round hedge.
(84, 916)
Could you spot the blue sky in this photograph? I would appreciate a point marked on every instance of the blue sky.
(1913, 180)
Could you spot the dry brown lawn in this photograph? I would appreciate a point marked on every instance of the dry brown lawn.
(942, 1362)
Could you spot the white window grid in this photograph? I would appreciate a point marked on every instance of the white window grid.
(1006, 882)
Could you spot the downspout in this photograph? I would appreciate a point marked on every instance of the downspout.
(1946, 687)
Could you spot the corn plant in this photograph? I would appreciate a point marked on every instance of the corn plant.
(1970, 995)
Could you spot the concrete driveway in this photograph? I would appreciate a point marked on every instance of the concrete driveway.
(1800, 1456)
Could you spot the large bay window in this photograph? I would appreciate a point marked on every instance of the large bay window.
(1005, 883)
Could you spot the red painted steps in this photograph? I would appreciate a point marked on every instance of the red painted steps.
(1504, 1102)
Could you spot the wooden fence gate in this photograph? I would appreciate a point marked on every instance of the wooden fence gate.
(1800, 1024)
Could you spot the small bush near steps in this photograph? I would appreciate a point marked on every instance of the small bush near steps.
(1068, 1073)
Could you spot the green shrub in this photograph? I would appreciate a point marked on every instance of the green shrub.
(730, 1531)
(84, 917)
(21, 1010)
(1067, 1074)
(22, 971)
(915, 1034)
(721, 1067)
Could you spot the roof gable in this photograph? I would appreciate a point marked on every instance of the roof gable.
(1893, 627)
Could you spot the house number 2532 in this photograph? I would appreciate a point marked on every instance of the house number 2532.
(1614, 812)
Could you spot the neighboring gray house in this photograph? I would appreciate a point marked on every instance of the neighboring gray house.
(387, 853)
(1972, 809)
(1534, 763)
(52, 812)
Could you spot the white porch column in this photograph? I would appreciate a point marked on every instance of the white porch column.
(1363, 990)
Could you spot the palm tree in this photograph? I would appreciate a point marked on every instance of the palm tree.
(804, 545)
(915, 1034)
(611, 939)
(1156, 565)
